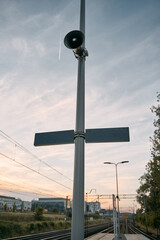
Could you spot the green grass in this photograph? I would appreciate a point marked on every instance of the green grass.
(18, 224)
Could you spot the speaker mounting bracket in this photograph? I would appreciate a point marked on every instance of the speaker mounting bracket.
(80, 52)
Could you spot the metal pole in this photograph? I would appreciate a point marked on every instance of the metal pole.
(86, 214)
(66, 213)
(118, 222)
(117, 200)
(116, 179)
(114, 217)
(77, 231)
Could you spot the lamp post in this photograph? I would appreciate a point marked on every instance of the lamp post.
(116, 164)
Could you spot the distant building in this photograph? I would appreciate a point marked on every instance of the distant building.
(93, 207)
(107, 213)
(7, 203)
(50, 204)
(26, 205)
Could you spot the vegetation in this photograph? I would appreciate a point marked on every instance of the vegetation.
(95, 218)
(14, 207)
(14, 224)
(55, 210)
(5, 207)
(38, 215)
(149, 190)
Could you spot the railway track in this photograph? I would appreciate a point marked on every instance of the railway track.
(45, 236)
(132, 229)
(63, 234)
(99, 228)
(108, 230)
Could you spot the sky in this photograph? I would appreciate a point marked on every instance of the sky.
(38, 80)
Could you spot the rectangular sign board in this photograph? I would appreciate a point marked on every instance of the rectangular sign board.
(107, 135)
(54, 138)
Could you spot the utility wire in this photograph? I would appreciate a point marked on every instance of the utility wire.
(15, 192)
(25, 194)
(35, 192)
(20, 193)
(7, 137)
(31, 169)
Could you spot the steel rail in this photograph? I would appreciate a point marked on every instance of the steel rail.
(96, 228)
(108, 230)
(63, 234)
(105, 231)
(138, 231)
(40, 236)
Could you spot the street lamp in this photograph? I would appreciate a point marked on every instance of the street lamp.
(117, 189)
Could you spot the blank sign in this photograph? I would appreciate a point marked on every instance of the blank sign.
(107, 135)
(92, 136)
(54, 138)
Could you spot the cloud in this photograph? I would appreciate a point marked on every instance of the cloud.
(38, 92)
(40, 49)
(21, 46)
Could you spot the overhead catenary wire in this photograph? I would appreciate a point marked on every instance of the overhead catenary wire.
(35, 191)
(20, 193)
(33, 170)
(7, 137)
(25, 194)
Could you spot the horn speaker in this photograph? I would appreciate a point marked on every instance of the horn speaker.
(74, 39)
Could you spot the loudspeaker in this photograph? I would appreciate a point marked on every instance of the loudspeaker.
(74, 39)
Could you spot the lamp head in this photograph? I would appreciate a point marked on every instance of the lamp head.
(125, 162)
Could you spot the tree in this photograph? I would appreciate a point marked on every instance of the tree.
(54, 210)
(5, 207)
(69, 214)
(21, 210)
(38, 213)
(150, 181)
(14, 207)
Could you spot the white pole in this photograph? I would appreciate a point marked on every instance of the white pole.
(77, 231)
(114, 217)
(118, 224)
